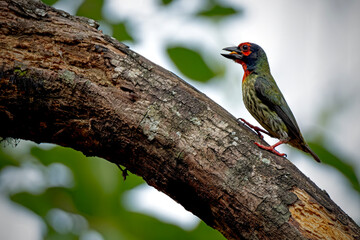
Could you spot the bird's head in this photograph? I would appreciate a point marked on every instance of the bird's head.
(249, 55)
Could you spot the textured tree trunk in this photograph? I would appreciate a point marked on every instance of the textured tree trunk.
(64, 82)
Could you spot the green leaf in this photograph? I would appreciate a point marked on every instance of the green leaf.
(329, 158)
(91, 9)
(190, 63)
(7, 160)
(49, 2)
(42, 203)
(121, 33)
(166, 2)
(218, 11)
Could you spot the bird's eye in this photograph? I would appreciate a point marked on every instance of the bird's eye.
(245, 48)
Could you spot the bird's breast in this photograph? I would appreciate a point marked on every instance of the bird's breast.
(267, 118)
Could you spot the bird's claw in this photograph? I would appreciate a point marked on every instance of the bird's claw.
(270, 149)
(256, 129)
(258, 133)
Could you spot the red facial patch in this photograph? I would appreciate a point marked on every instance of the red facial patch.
(245, 48)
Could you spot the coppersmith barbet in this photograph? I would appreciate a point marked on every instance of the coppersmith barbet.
(264, 100)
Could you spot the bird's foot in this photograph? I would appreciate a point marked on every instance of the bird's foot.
(272, 148)
(255, 128)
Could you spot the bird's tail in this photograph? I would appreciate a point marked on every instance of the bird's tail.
(308, 150)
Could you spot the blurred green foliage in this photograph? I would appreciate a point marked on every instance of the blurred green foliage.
(190, 63)
(121, 33)
(49, 2)
(330, 158)
(166, 2)
(218, 11)
(91, 9)
(93, 200)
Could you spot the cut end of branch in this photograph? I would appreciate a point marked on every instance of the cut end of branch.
(314, 221)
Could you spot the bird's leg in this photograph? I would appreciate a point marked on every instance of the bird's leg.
(272, 148)
(256, 129)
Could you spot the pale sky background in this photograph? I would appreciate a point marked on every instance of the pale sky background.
(313, 49)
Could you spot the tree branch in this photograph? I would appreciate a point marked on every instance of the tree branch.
(64, 82)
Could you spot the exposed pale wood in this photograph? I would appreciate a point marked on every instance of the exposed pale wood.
(314, 221)
(64, 82)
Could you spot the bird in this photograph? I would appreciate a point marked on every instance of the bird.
(264, 100)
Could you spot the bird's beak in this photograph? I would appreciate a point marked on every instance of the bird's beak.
(235, 53)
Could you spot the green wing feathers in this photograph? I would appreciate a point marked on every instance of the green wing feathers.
(269, 93)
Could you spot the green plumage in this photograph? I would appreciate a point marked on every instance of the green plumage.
(263, 99)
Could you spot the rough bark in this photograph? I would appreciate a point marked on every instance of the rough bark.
(64, 82)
